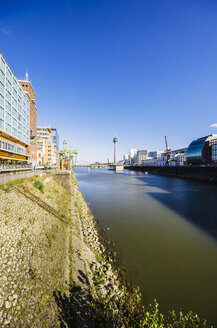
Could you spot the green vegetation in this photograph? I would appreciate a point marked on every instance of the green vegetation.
(39, 185)
(99, 256)
(129, 312)
(23, 231)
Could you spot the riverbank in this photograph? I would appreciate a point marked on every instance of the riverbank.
(203, 173)
(55, 271)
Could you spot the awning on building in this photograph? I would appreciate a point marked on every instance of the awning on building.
(15, 157)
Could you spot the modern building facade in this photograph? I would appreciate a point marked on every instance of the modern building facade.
(14, 117)
(46, 150)
(199, 152)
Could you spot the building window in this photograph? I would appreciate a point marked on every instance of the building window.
(1, 100)
(2, 64)
(1, 112)
(14, 132)
(2, 88)
(8, 117)
(14, 112)
(2, 77)
(8, 128)
(1, 124)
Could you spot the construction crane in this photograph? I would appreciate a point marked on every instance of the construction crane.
(67, 156)
(168, 152)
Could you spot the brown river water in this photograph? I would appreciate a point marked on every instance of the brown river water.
(166, 231)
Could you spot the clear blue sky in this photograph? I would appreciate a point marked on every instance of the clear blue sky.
(141, 68)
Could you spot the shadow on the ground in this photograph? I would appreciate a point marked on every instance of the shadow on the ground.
(75, 309)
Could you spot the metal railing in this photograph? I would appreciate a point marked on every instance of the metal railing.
(14, 166)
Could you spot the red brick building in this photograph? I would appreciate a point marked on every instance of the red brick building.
(30, 93)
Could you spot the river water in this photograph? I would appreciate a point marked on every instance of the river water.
(166, 231)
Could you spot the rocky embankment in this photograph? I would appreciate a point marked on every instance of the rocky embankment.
(53, 271)
(33, 257)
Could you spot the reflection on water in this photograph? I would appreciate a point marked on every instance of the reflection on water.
(166, 230)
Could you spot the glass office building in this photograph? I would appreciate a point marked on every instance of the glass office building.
(14, 115)
(195, 153)
(214, 150)
(200, 152)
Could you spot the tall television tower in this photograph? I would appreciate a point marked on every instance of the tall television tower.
(115, 140)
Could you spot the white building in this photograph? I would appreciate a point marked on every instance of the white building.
(126, 157)
(141, 155)
(132, 153)
(177, 158)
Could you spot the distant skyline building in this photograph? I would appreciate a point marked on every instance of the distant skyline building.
(14, 117)
(55, 137)
(156, 153)
(126, 157)
(132, 153)
(141, 155)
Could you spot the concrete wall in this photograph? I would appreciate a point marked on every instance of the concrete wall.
(65, 179)
(206, 173)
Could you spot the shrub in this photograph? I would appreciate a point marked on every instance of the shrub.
(39, 185)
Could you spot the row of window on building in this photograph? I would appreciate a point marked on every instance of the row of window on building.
(11, 147)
